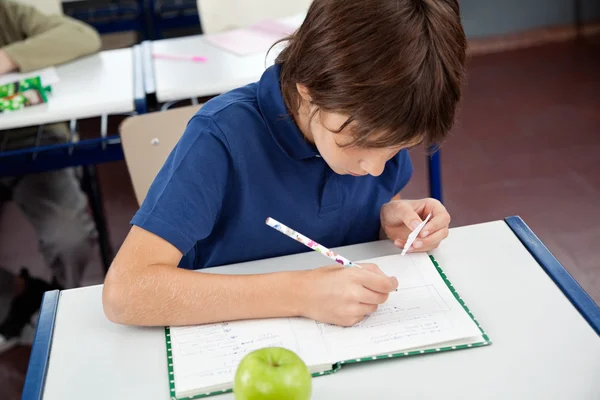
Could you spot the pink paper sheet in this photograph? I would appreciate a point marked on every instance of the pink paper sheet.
(257, 38)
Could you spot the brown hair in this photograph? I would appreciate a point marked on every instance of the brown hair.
(394, 66)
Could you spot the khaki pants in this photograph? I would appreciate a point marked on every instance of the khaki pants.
(56, 207)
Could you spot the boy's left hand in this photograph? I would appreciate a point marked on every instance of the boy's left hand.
(400, 217)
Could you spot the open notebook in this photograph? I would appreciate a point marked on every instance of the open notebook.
(425, 315)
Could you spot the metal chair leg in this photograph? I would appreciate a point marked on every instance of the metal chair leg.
(92, 188)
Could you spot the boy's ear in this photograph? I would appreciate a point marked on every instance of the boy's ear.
(304, 92)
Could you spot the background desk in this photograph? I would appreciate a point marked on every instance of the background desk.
(542, 346)
(224, 71)
(99, 84)
(109, 82)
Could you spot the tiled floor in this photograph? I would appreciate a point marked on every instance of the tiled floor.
(526, 143)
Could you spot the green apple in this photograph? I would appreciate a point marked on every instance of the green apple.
(272, 373)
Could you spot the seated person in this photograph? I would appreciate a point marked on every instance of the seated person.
(52, 201)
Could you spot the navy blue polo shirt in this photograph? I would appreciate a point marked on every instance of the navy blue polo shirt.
(241, 160)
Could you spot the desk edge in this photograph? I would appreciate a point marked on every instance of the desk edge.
(40, 351)
(586, 306)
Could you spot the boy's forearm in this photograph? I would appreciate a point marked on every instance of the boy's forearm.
(164, 295)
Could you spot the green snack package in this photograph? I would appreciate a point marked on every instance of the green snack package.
(24, 93)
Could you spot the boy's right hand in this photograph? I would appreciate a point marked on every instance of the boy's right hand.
(344, 296)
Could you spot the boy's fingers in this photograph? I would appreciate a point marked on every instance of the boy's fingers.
(440, 219)
(370, 297)
(378, 283)
(430, 242)
(435, 224)
(397, 213)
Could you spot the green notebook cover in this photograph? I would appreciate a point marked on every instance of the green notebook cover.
(336, 367)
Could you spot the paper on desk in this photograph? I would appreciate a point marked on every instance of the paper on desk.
(413, 235)
(257, 38)
(48, 76)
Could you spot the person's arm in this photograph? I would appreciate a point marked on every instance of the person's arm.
(49, 40)
(6, 63)
(144, 287)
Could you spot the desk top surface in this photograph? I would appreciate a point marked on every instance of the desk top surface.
(542, 346)
(223, 71)
(102, 83)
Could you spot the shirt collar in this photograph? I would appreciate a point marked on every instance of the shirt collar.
(279, 120)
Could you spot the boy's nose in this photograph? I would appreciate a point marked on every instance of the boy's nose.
(372, 168)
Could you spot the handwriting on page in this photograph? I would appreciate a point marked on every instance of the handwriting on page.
(224, 341)
(408, 304)
(423, 312)
(208, 355)
(409, 313)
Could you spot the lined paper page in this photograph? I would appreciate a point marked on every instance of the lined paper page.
(207, 356)
(422, 312)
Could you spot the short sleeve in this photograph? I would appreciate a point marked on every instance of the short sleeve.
(186, 197)
(405, 170)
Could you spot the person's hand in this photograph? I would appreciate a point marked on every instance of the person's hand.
(400, 217)
(344, 296)
(6, 63)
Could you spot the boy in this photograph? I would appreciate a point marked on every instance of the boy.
(320, 144)
(53, 201)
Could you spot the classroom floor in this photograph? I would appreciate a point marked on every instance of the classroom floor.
(527, 144)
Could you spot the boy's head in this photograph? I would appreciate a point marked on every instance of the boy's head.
(366, 78)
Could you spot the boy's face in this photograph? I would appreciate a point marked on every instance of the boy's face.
(322, 130)
(350, 160)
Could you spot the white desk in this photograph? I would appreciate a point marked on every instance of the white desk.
(99, 84)
(542, 346)
(224, 71)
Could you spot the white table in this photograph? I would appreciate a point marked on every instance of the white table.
(542, 346)
(99, 84)
(224, 71)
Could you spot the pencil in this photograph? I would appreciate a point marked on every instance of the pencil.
(179, 57)
(310, 243)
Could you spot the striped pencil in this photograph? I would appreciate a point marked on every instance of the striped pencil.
(310, 243)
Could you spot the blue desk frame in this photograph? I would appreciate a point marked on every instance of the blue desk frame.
(567, 284)
(40, 353)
